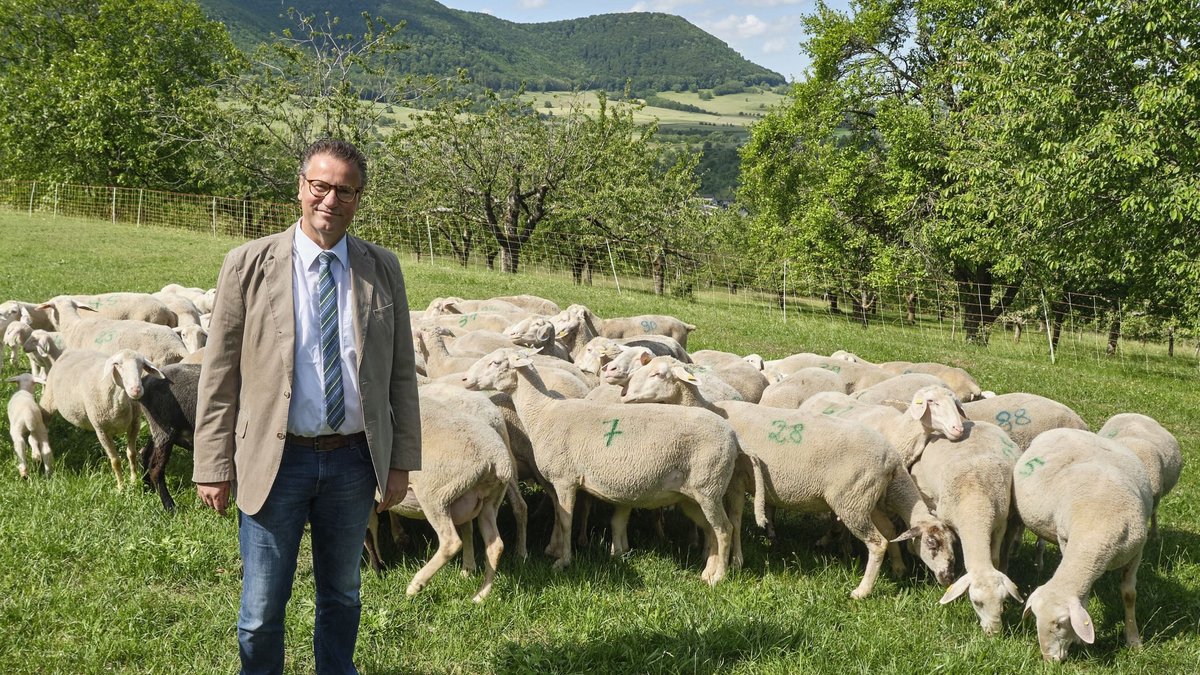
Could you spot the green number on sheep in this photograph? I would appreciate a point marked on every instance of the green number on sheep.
(785, 433)
(831, 367)
(1006, 419)
(1111, 433)
(466, 317)
(1009, 448)
(835, 411)
(612, 431)
(1020, 418)
(1029, 467)
(649, 325)
(105, 337)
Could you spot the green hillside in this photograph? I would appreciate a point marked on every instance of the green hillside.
(653, 52)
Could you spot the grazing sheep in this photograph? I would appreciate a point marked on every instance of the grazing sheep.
(809, 463)
(1092, 495)
(1155, 446)
(97, 391)
(465, 469)
(43, 348)
(643, 324)
(168, 403)
(969, 482)
(1023, 416)
(158, 344)
(898, 391)
(604, 450)
(25, 423)
(15, 336)
(960, 381)
(796, 388)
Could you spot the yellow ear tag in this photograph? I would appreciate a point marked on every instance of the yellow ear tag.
(918, 402)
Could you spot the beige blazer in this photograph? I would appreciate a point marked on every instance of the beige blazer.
(246, 380)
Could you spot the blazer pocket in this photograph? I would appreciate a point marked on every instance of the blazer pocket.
(243, 423)
(383, 312)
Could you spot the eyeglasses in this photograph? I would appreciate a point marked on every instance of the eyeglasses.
(320, 188)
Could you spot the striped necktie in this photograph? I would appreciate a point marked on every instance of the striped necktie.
(331, 346)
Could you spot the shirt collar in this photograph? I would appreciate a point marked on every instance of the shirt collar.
(308, 250)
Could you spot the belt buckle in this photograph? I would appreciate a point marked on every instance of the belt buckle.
(318, 446)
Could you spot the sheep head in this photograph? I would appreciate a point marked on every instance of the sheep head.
(660, 380)
(933, 542)
(987, 591)
(125, 368)
(1061, 620)
(498, 370)
(938, 409)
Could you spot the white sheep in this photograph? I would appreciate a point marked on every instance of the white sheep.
(1024, 416)
(158, 344)
(711, 386)
(453, 305)
(599, 351)
(898, 391)
(127, 306)
(802, 384)
(606, 450)
(959, 380)
(529, 303)
(11, 310)
(98, 391)
(42, 349)
(1092, 495)
(183, 308)
(1157, 448)
(628, 326)
(15, 336)
(748, 381)
(493, 321)
(194, 337)
(856, 375)
(25, 424)
(537, 332)
(810, 463)
(969, 482)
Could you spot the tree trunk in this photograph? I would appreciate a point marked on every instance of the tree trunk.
(980, 310)
(510, 256)
(1171, 341)
(1114, 335)
(659, 269)
(832, 298)
(577, 265)
(910, 308)
(588, 269)
(1056, 329)
(1017, 327)
(862, 301)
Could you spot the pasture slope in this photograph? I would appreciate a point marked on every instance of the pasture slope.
(95, 580)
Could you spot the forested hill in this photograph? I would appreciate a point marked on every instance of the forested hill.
(655, 52)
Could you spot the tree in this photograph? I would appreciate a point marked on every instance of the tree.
(101, 91)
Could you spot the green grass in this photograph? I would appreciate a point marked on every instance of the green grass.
(94, 580)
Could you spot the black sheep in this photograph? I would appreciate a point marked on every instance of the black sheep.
(169, 406)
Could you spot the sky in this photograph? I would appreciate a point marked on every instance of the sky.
(766, 32)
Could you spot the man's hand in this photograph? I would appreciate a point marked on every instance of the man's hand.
(397, 487)
(216, 495)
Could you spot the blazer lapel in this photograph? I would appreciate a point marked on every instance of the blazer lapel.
(277, 270)
(362, 284)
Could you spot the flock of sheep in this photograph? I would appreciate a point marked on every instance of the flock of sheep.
(515, 389)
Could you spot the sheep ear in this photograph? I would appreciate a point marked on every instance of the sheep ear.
(910, 533)
(645, 358)
(956, 589)
(1011, 588)
(918, 408)
(683, 374)
(152, 369)
(521, 359)
(1081, 622)
(12, 379)
(958, 406)
(39, 379)
(178, 330)
(545, 332)
(25, 316)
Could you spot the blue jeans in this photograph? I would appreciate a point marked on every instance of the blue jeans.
(334, 491)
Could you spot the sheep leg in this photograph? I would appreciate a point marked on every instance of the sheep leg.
(711, 517)
(46, 455)
(155, 455)
(885, 527)
(466, 532)
(18, 441)
(693, 511)
(860, 526)
(1129, 596)
(564, 508)
(735, 504)
(492, 543)
(131, 436)
(1012, 539)
(584, 516)
(620, 530)
(1154, 518)
(110, 449)
(520, 514)
(449, 545)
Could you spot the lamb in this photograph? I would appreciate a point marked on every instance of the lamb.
(644, 324)
(15, 336)
(794, 389)
(602, 448)
(964, 386)
(25, 422)
(42, 349)
(969, 482)
(1023, 416)
(11, 310)
(1092, 495)
(805, 462)
(169, 406)
(1155, 446)
(158, 344)
(97, 391)
(465, 470)
(898, 391)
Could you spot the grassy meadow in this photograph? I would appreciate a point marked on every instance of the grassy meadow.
(96, 580)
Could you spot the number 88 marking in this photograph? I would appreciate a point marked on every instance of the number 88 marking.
(1006, 420)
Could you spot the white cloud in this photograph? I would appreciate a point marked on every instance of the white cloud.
(738, 27)
(772, 3)
(666, 6)
(531, 4)
(778, 45)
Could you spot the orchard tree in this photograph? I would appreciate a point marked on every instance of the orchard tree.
(103, 91)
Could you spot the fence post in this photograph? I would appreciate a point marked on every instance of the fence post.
(114, 204)
(214, 216)
(56, 199)
(245, 216)
(429, 234)
(783, 296)
(1049, 326)
(139, 214)
(32, 192)
(613, 265)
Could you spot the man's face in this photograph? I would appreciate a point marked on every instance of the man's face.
(326, 218)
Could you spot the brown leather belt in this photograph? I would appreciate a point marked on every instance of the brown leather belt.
(328, 442)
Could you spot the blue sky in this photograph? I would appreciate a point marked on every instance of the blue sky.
(767, 32)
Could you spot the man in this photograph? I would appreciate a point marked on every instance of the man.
(308, 403)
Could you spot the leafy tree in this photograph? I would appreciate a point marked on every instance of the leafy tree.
(102, 91)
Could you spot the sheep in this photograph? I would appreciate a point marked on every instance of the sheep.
(475, 343)
(600, 350)
(15, 336)
(711, 386)
(969, 482)
(42, 349)
(898, 391)
(465, 470)
(184, 309)
(804, 462)
(452, 305)
(1155, 446)
(1023, 416)
(25, 422)
(169, 405)
(127, 306)
(537, 331)
(856, 375)
(10, 310)
(94, 390)
(494, 321)
(529, 303)
(1092, 495)
(200, 298)
(748, 381)
(794, 389)
(959, 380)
(602, 448)
(644, 324)
(158, 344)
(193, 336)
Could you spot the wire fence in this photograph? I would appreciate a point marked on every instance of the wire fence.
(935, 305)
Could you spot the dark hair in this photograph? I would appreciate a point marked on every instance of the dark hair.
(343, 150)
